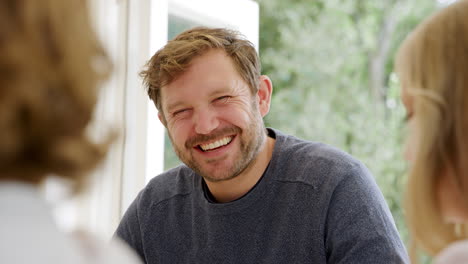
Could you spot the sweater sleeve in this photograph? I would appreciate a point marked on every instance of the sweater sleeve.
(359, 227)
(129, 229)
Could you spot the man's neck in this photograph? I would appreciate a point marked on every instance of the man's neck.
(230, 190)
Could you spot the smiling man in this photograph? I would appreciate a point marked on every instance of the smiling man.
(246, 193)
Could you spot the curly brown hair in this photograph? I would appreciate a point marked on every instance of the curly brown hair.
(175, 57)
(50, 67)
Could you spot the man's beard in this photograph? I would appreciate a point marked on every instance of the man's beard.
(250, 139)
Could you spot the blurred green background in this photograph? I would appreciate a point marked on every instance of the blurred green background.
(331, 63)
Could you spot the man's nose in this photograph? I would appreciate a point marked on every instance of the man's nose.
(205, 120)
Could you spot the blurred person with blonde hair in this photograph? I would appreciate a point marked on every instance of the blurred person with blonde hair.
(50, 67)
(432, 65)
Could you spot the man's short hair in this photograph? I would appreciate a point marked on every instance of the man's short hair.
(175, 57)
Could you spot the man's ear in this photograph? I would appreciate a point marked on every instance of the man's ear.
(161, 118)
(265, 89)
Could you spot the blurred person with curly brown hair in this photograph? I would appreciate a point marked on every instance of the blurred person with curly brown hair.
(50, 66)
(432, 65)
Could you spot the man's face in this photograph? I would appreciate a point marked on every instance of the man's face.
(212, 118)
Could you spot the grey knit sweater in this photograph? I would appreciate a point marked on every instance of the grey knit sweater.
(314, 204)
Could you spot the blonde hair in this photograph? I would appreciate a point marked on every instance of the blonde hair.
(175, 57)
(432, 65)
(50, 66)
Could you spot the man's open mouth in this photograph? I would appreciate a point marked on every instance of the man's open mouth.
(216, 144)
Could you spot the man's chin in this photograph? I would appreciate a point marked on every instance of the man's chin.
(216, 177)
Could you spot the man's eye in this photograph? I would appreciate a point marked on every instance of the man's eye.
(223, 99)
(178, 112)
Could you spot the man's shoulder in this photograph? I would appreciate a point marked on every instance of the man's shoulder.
(173, 182)
(313, 161)
(311, 153)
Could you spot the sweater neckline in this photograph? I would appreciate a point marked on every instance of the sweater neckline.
(253, 196)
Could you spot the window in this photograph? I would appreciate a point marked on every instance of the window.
(132, 31)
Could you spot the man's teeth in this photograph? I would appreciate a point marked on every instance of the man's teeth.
(216, 144)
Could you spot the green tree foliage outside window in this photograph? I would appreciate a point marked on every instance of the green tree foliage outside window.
(331, 63)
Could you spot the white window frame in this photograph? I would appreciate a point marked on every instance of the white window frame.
(131, 31)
